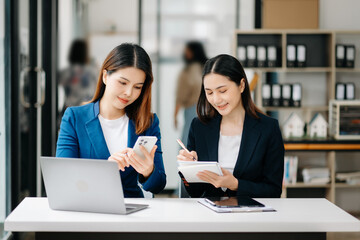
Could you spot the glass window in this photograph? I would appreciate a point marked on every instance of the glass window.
(166, 27)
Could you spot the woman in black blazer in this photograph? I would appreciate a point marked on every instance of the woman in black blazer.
(231, 130)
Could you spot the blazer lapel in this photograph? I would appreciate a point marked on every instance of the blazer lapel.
(96, 135)
(250, 137)
(212, 139)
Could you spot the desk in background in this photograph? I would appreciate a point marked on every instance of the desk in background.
(170, 218)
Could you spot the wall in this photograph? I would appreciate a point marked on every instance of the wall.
(65, 20)
(339, 15)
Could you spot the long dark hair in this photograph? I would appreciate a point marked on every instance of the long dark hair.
(231, 68)
(198, 52)
(130, 55)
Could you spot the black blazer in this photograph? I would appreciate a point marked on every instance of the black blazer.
(260, 164)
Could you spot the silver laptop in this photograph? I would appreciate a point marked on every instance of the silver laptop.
(85, 185)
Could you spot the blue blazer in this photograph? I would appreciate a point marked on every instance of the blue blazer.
(260, 164)
(81, 136)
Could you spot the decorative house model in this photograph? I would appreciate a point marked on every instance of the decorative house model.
(293, 127)
(318, 127)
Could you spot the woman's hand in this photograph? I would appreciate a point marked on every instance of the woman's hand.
(226, 181)
(143, 166)
(120, 159)
(186, 156)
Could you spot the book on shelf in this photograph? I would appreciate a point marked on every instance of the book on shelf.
(272, 56)
(340, 55)
(261, 56)
(290, 169)
(350, 56)
(290, 55)
(301, 55)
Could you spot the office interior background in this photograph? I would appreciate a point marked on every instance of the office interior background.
(35, 37)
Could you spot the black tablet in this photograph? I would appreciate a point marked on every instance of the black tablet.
(233, 202)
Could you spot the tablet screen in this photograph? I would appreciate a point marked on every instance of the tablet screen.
(231, 202)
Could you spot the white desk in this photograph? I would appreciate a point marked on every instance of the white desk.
(168, 218)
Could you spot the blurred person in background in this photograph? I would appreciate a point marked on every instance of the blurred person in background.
(189, 85)
(77, 82)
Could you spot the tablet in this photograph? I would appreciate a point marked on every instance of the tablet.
(233, 202)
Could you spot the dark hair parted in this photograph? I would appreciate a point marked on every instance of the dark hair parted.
(130, 55)
(231, 68)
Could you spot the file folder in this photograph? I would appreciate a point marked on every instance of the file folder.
(350, 56)
(350, 91)
(272, 56)
(285, 95)
(340, 55)
(301, 55)
(261, 56)
(251, 56)
(340, 91)
(276, 95)
(241, 54)
(291, 55)
(266, 95)
(296, 95)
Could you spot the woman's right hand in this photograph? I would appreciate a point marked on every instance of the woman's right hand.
(119, 158)
(186, 156)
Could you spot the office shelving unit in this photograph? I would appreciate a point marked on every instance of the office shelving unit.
(320, 55)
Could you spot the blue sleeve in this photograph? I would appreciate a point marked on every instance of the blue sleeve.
(271, 184)
(156, 182)
(67, 144)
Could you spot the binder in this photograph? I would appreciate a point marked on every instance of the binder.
(340, 55)
(276, 94)
(241, 54)
(251, 56)
(261, 56)
(340, 91)
(266, 95)
(301, 55)
(350, 56)
(285, 95)
(291, 55)
(296, 95)
(272, 56)
(350, 91)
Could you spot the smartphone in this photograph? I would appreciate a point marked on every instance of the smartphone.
(147, 142)
(233, 202)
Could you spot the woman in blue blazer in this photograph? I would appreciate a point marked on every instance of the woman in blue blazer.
(231, 130)
(108, 127)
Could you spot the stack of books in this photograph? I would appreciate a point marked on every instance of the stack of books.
(352, 178)
(316, 175)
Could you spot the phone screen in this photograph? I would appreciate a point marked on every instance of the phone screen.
(230, 202)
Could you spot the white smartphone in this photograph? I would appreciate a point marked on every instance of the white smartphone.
(147, 142)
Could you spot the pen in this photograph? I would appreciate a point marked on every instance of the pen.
(183, 146)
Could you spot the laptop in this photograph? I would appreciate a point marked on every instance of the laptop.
(85, 185)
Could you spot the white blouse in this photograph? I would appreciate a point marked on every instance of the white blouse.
(115, 133)
(228, 151)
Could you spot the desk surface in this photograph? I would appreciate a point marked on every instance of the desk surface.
(185, 215)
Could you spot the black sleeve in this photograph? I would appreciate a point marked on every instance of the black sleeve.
(195, 190)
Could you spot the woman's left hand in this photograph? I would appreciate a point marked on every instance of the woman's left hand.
(143, 166)
(226, 181)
